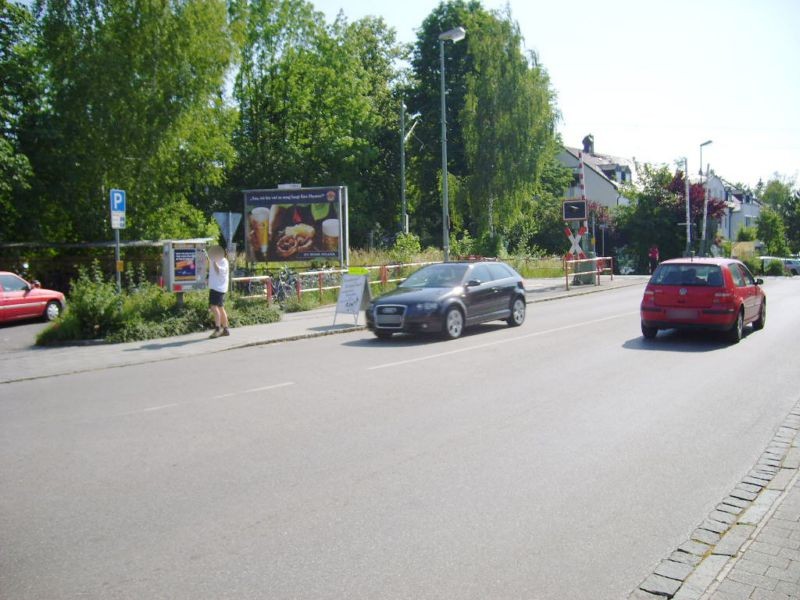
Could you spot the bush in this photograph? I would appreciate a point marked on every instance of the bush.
(774, 267)
(754, 265)
(94, 311)
(94, 305)
(464, 246)
(746, 234)
(406, 248)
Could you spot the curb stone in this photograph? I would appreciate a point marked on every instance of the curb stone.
(712, 549)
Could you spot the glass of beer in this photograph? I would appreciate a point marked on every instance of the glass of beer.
(260, 223)
(330, 235)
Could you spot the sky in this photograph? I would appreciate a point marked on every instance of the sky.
(653, 79)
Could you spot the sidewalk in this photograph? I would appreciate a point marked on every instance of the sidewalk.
(749, 545)
(34, 362)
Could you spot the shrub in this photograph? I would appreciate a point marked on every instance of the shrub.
(94, 304)
(746, 234)
(774, 267)
(754, 265)
(142, 313)
(406, 248)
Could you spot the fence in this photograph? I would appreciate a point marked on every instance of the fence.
(320, 281)
(603, 265)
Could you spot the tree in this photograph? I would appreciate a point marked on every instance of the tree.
(21, 77)
(316, 106)
(772, 232)
(780, 195)
(501, 118)
(131, 100)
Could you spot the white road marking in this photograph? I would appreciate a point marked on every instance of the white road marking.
(220, 397)
(253, 390)
(163, 406)
(498, 342)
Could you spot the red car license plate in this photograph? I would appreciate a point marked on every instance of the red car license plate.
(682, 313)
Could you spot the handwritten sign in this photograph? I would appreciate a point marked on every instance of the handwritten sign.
(354, 295)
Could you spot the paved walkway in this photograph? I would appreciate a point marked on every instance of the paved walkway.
(748, 547)
(31, 362)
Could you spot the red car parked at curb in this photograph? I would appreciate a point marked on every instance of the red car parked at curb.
(703, 293)
(22, 300)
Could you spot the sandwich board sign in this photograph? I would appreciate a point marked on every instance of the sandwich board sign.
(354, 295)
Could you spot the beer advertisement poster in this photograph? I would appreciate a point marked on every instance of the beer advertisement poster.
(293, 225)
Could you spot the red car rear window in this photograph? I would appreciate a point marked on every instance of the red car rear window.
(688, 274)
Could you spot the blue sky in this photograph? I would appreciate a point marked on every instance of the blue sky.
(653, 79)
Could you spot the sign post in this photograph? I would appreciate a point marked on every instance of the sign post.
(117, 200)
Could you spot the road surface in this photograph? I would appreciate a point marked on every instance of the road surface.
(559, 460)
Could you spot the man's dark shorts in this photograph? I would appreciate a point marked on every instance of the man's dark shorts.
(216, 298)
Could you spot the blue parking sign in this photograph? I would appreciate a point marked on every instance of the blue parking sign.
(118, 201)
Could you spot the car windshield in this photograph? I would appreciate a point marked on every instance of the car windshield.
(436, 276)
(688, 274)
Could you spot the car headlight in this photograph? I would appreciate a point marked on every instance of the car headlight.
(427, 306)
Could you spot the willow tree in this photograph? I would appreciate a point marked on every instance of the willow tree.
(501, 120)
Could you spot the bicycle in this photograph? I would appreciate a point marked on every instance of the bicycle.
(284, 287)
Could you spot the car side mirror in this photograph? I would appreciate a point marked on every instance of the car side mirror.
(473, 282)
(759, 281)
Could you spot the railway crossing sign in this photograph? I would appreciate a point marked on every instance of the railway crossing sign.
(575, 241)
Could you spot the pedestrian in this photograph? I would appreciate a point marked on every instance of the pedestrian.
(218, 286)
(652, 256)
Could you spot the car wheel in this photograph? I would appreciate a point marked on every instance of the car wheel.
(736, 332)
(383, 335)
(453, 323)
(649, 333)
(762, 317)
(52, 311)
(517, 317)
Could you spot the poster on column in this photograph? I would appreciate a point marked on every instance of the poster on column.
(294, 225)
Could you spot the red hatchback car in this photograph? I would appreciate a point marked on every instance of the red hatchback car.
(22, 300)
(703, 293)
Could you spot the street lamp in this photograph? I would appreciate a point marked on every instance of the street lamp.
(453, 35)
(705, 200)
(403, 139)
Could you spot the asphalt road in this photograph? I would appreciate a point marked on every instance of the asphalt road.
(559, 460)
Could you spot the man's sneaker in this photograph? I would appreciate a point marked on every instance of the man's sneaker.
(216, 334)
(225, 332)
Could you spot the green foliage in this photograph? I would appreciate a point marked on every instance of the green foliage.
(317, 106)
(754, 264)
(501, 118)
(781, 195)
(746, 234)
(94, 304)
(463, 245)
(406, 247)
(96, 311)
(774, 267)
(772, 231)
(650, 218)
(130, 100)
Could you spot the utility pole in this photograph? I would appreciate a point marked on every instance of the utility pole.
(688, 208)
(404, 214)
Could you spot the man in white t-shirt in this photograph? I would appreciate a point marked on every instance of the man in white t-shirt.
(218, 286)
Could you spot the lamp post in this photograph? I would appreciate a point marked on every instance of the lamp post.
(705, 200)
(403, 139)
(453, 35)
(688, 207)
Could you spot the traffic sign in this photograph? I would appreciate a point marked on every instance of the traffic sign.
(117, 201)
(575, 242)
(574, 210)
(228, 223)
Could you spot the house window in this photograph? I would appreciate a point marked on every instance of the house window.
(748, 221)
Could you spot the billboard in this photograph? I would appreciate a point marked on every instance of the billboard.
(301, 224)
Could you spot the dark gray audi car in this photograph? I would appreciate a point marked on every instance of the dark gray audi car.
(445, 298)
